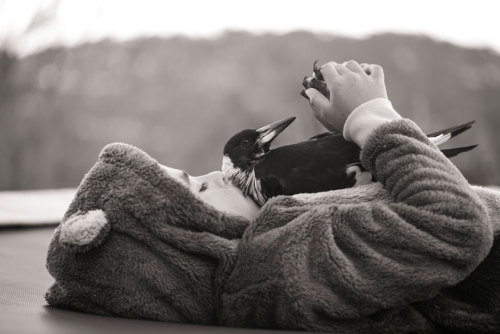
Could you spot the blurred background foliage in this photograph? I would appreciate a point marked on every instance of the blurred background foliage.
(180, 99)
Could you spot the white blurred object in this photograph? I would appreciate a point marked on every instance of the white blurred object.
(43, 207)
(34, 207)
(33, 25)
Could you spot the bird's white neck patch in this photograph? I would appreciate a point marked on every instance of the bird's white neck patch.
(245, 180)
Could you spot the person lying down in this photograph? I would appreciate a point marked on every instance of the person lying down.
(414, 253)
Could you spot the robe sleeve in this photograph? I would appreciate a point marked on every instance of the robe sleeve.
(345, 261)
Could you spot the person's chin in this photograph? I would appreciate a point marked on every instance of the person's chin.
(240, 207)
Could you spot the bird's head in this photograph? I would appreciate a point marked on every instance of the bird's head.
(246, 147)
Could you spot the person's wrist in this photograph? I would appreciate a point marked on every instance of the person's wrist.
(367, 117)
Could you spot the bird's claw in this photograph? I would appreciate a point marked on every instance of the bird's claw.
(303, 93)
(317, 71)
(311, 82)
(316, 81)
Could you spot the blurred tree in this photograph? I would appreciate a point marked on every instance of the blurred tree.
(8, 152)
(43, 17)
(180, 99)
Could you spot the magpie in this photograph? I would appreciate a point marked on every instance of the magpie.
(324, 162)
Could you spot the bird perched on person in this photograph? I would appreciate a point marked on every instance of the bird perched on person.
(324, 162)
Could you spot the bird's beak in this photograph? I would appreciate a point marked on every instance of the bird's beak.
(269, 132)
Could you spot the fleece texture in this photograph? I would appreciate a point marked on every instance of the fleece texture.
(414, 253)
(136, 243)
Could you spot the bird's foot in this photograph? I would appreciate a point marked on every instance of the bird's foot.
(316, 81)
(317, 71)
(311, 82)
(361, 176)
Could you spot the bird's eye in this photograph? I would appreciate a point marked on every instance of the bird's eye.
(203, 187)
(245, 141)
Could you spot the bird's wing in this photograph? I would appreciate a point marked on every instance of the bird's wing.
(271, 187)
(325, 134)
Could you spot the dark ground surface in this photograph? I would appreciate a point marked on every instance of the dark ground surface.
(24, 280)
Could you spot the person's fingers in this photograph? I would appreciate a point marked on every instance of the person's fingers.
(377, 71)
(319, 103)
(354, 66)
(330, 74)
(321, 86)
(342, 69)
(321, 108)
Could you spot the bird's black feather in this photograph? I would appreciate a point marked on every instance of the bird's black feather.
(453, 152)
(324, 134)
(454, 130)
(309, 166)
(321, 163)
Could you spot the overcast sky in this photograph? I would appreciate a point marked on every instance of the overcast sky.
(29, 25)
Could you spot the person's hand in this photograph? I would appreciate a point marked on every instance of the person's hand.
(350, 85)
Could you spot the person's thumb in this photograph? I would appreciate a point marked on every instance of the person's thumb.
(317, 101)
(320, 107)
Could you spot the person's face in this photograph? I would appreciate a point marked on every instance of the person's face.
(213, 189)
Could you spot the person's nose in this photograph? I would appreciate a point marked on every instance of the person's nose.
(177, 174)
(214, 179)
(183, 177)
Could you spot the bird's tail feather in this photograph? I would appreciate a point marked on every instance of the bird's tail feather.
(452, 152)
(325, 134)
(448, 152)
(442, 136)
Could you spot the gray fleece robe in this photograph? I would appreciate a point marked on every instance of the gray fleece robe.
(413, 254)
(386, 265)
